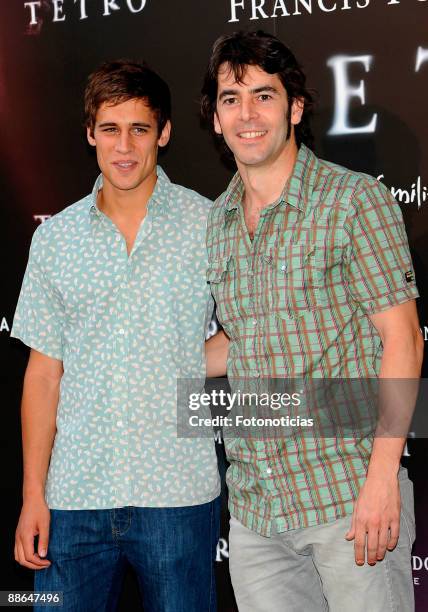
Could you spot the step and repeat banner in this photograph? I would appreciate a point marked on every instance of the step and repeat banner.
(368, 61)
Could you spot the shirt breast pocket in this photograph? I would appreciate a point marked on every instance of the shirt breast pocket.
(297, 280)
(221, 275)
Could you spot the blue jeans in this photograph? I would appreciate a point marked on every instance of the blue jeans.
(172, 551)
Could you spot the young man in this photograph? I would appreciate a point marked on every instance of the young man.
(114, 306)
(310, 269)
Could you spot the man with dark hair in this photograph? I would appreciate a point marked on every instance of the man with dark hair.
(114, 306)
(311, 272)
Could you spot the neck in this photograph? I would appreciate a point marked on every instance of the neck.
(264, 184)
(128, 204)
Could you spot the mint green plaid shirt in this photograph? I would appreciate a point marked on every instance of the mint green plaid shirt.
(295, 302)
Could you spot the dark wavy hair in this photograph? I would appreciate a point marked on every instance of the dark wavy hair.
(242, 49)
(122, 80)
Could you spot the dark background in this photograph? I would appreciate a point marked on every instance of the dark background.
(46, 163)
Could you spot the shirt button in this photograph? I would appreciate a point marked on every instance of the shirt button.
(269, 471)
(121, 331)
(255, 321)
(119, 423)
(283, 268)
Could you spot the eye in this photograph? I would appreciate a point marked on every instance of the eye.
(138, 131)
(265, 97)
(109, 130)
(229, 101)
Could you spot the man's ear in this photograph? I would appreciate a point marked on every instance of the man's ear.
(217, 126)
(297, 108)
(90, 137)
(165, 134)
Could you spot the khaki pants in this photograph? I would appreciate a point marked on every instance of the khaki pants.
(313, 569)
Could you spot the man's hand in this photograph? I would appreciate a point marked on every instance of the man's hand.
(34, 520)
(376, 517)
(39, 405)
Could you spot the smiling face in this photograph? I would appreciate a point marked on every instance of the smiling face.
(254, 116)
(127, 140)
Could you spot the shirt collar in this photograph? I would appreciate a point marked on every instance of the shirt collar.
(297, 190)
(159, 200)
(93, 208)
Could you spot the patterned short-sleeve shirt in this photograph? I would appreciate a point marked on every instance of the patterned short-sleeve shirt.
(125, 328)
(295, 303)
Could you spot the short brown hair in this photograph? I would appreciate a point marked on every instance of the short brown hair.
(121, 80)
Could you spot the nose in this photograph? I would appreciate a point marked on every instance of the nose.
(248, 109)
(123, 143)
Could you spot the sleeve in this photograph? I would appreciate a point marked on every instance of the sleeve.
(379, 271)
(39, 315)
(209, 315)
(210, 240)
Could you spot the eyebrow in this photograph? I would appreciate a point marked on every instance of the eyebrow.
(256, 90)
(133, 124)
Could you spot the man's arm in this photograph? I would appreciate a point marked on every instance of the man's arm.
(377, 509)
(38, 411)
(216, 350)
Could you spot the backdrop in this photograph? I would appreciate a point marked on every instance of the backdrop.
(368, 60)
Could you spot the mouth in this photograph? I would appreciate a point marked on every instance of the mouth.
(252, 135)
(125, 165)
